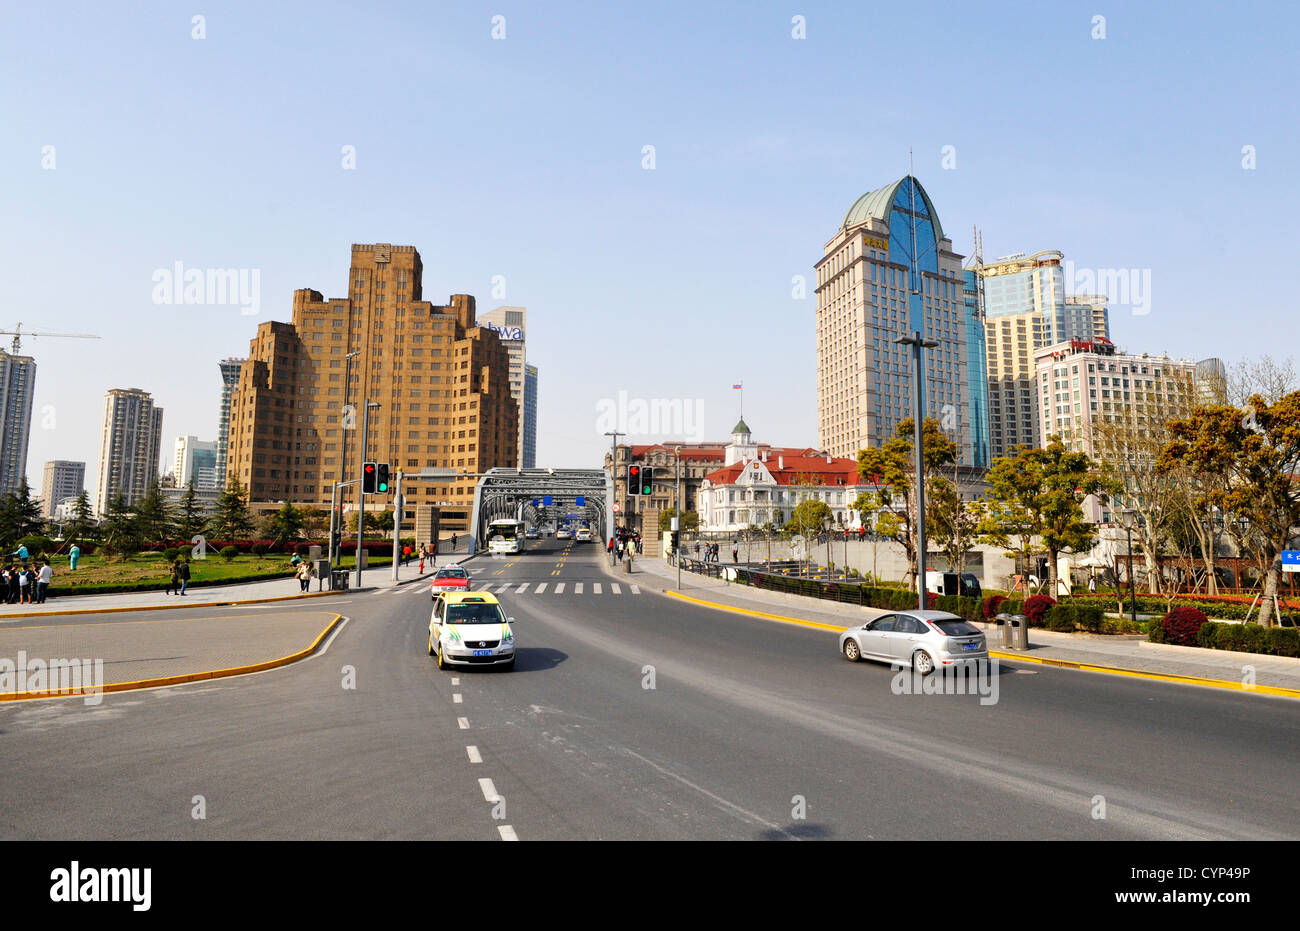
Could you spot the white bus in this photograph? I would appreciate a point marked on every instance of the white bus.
(505, 536)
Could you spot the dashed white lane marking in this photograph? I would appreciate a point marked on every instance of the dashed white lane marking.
(541, 587)
(595, 588)
(636, 590)
(507, 832)
(577, 588)
(489, 790)
(521, 589)
(559, 588)
(463, 723)
(613, 586)
(474, 755)
(455, 698)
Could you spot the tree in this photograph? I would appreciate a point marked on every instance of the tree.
(891, 468)
(1270, 379)
(690, 520)
(231, 520)
(153, 515)
(190, 519)
(1041, 491)
(20, 515)
(808, 515)
(951, 522)
(315, 522)
(121, 529)
(1257, 450)
(284, 525)
(83, 521)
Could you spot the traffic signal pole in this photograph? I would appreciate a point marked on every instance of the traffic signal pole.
(361, 489)
(397, 520)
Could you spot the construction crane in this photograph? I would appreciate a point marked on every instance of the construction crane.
(18, 333)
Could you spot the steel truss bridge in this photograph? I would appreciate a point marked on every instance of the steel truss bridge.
(511, 493)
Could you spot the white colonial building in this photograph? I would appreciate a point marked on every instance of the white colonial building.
(759, 484)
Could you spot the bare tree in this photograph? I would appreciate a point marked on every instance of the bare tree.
(1266, 377)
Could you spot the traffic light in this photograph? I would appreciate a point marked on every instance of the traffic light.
(368, 471)
(381, 480)
(633, 480)
(647, 481)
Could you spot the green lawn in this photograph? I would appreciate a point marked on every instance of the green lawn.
(100, 575)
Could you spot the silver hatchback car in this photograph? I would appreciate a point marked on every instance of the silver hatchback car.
(923, 640)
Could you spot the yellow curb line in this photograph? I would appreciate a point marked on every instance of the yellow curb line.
(178, 607)
(1063, 664)
(182, 679)
(1158, 676)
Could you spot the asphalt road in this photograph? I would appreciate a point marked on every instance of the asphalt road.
(752, 729)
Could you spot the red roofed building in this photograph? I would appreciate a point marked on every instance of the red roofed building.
(760, 483)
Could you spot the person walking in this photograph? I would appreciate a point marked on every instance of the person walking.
(185, 574)
(304, 576)
(735, 555)
(406, 555)
(73, 555)
(11, 594)
(1092, 585)
(24, 586)
(421, 562)
(43, 581)
(174, 584)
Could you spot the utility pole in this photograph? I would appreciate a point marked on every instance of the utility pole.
(361, 487)
(397, 521)
(681, 524)
(613, 476)
(336, 547)
(919, 343)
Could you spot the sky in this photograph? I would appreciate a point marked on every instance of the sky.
(1159, 142)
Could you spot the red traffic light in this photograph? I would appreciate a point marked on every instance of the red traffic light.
(635, 470)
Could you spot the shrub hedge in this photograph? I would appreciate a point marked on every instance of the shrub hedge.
(1249, 638)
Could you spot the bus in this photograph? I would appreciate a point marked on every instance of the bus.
(505, 536)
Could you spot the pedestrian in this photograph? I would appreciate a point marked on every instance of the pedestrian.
(174, 584)
(610, 548)
(619, 552)
(185, 575)
(454, 538)
(22, 554)
(421, 562)
(24, 586)
(296, 561)
(406, 555)
(73, 555)
(1092, 585)
(4, 585)
(12, 572)
(43, 581)
(735, 555)
(304, 576)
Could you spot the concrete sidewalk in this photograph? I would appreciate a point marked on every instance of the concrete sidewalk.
(1125, 653)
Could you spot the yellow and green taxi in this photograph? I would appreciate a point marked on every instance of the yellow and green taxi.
(470, 629)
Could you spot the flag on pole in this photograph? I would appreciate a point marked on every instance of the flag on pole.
(738, 385)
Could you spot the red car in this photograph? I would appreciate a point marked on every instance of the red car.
(449, 579)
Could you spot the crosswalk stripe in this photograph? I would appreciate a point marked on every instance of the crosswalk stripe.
(559, 589)
(577, 588)
(635, 590)
(521, 589)
(541, 587)
(504, 587)
(595, 588)
(615, 589)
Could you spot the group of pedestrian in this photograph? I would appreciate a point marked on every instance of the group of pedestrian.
(428, 553)
(21, 583)
(710, 551)
(180, 576)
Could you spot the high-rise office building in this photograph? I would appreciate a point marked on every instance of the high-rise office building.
(62, 480)
(529, 416)
(196, 459)
(230, 369)
(17, 385)
(976, 362)
(511, 325)
(1025, 309)
(889, 271)
(129, 444)
(439, 382)
(1211, 382)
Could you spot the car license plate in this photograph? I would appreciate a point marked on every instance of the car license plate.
(970, 646)
(482, 652)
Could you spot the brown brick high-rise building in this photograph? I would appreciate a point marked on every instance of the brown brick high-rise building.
(442, 383)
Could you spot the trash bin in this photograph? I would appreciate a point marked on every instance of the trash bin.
(1002, 635)
(1019, 629)
(339, 580)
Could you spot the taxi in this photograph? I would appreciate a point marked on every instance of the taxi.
(449, 579)
(470, 629)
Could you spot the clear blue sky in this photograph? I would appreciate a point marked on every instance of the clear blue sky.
(522, 157)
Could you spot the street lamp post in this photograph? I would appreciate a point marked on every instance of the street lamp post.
(1130, 516)
(681, 524)
(336, 548)
(918, 343)
(826, 529)
(613, 483)
(361, 487)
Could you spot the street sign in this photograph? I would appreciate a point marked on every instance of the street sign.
(581, 501)
(1291, 560)
(617, 508)
(546, 501)
(437, 473)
